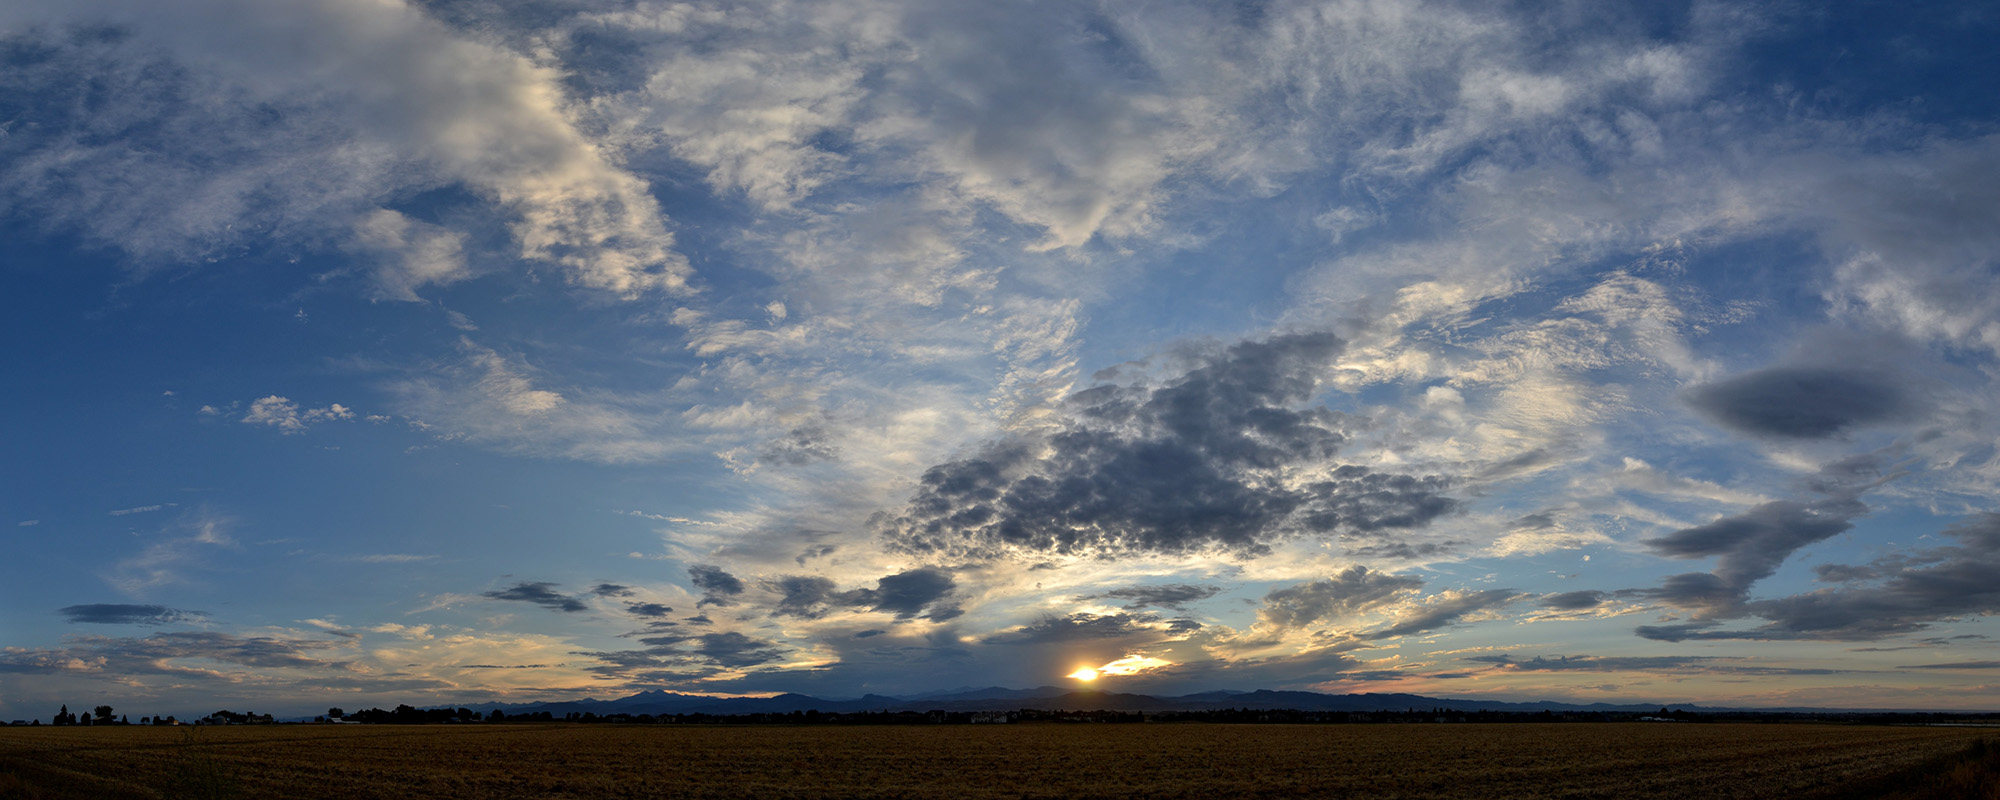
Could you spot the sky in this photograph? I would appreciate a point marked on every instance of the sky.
(365, 352)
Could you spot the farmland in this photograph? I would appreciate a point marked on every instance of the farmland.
(1153, 760)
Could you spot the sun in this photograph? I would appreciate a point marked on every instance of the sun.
(1085, 674)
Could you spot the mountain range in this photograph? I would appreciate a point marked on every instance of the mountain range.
(995, 698)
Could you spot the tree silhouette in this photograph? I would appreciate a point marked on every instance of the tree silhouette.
(103, 713)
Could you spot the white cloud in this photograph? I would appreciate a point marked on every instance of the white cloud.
(410, 254)
(169, 560)
(491, 399)
(285, 415)
(317, 113)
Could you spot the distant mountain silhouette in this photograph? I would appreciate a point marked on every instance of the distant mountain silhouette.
(996, 698)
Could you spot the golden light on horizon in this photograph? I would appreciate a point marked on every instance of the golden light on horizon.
(1129, 665)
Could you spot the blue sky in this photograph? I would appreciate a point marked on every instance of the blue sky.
(364, 353)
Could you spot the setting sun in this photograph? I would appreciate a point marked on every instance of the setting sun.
(1129, 665)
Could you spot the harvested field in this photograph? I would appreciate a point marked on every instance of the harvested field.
(1149, 760)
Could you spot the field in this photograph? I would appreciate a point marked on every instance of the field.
(1143, 760)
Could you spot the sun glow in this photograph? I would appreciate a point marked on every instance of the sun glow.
(1129, 665)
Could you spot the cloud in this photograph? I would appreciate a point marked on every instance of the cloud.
(611, 590)
(801, 595)
(1215, 460)
(503, 401)
(1955, 665)
(1903, 593)
(409, 254)
(215, 131)
(648, 609)
(1444, 609)
(1751, 545)
(1803, 402)
(1575, 601)
(668, 658)
(1719, 665)
(167, 560)
(1078, 627)
(140, 509)
(800, 446)
(718, 588)
(540, 593)
(905, 594)
(286, 416)
(735, 649)
(908, 594)
(125, 614)
(1350, 593)
(157, 654)
(1173, 595)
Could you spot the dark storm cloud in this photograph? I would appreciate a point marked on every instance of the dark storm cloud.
(801, 595)
(1185, 467)
(1447, 611)
(540, 593)
(648, 609)
(123, 614)
(736, 650)
(1574, 601)
(718, 588)
(1750, 546)
(1351, 592)
(904, 594)
(1802, 402)
(1900, 594)
(669, 656)
(611, 590)
(1076, 627)
(1173, 595)
(907, 594)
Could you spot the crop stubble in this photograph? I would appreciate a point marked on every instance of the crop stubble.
(1048, 760)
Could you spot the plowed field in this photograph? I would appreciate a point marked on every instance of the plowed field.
(1143, 760)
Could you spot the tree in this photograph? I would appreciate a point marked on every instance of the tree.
(335, 713)
(62, 717)
(103, 713)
